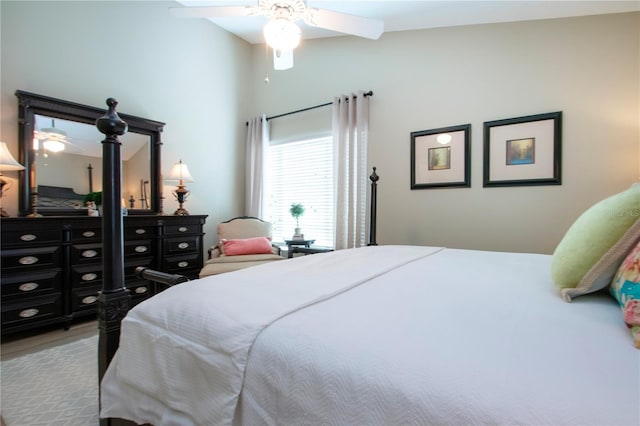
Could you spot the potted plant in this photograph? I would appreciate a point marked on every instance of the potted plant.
(92, 200)
(96, 197)
(296, 211)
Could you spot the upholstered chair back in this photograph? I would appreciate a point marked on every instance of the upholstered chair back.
(244, 227)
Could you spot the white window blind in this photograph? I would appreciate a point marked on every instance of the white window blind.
(302, 172)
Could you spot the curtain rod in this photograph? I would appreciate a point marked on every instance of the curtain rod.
(369, 93)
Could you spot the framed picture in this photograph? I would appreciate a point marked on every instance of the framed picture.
(523, 151)
(441, 157)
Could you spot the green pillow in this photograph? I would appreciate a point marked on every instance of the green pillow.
(594, 246)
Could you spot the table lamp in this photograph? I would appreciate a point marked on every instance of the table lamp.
(7, 164)
(180, 172)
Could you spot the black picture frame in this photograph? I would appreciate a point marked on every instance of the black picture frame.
(441, 165)
(536, 140)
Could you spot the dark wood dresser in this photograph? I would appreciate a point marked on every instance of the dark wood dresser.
(52, 266)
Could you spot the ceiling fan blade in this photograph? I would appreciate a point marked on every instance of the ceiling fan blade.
(214, 11)
(344, 23)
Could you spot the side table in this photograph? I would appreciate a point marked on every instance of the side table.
(308, 250)
(292, 243)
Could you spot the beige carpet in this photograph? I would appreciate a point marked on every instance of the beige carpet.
(56, 385)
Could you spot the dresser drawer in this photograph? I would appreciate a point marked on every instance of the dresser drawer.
(183, 229)
(130, 266)
(85, 299)
(40, 257)
(138, 232)
(182, 264)
(85, 253)
(186, 244)
(86, 275)
(138, 248)
(31, 284)
(86, 235)
(32, 310)
(140, 290)
(31, 236)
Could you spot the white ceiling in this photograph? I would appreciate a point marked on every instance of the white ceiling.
(411, 15)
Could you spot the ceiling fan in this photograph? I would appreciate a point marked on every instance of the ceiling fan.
(53, 139)
(281, 33)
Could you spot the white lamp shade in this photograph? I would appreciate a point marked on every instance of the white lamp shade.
(7, 162)
(179, 172)
(280, 33)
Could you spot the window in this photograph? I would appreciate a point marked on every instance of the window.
(301, 172)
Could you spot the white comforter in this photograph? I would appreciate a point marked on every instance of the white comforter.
(379, 335)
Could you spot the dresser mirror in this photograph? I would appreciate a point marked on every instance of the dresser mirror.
(61, 150)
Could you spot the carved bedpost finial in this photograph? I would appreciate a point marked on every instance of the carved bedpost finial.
(374, 176)
(374, 202)
(111, 124)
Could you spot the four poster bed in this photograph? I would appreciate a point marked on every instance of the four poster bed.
(382, 335)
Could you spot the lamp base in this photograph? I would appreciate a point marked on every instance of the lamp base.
(181, 212)
(181, 194)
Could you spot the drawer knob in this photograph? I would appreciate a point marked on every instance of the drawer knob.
(28, 313)
(28, 260)
(183, 229)
(88, 234)
(183, 246)
(141, 249)
(89, 276)
(141, 231)
(183, 264)
(141, 290)
(28, 286)
(28, 237)
(89, 300)
(89, 253)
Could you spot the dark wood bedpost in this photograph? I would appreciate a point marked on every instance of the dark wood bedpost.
(114, 300)
(372, 222)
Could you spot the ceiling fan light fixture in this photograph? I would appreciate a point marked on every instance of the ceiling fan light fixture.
(282, 59)
(53, 145)
(282, 34)
(52, 133)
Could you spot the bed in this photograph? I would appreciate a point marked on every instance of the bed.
(377, 335)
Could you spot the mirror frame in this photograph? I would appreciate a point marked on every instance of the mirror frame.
(31, 104)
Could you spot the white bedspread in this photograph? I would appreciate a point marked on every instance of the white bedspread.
(182, 353)
(429, 337)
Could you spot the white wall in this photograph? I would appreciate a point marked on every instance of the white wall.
(587, 67)
(205, 83)
(188, 73)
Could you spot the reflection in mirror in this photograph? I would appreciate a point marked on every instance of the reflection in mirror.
(68, 155)
(61, 150)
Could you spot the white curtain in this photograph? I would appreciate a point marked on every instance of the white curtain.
(257, 145)
(350, 125)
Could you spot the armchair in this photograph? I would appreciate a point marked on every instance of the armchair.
(246, 252)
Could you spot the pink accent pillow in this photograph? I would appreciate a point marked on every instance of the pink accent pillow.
(255, 245)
